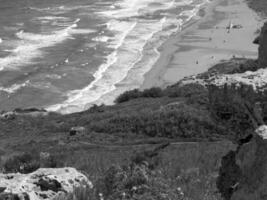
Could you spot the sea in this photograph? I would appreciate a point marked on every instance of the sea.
(67, 55)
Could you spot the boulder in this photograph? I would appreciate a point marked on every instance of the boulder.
(263, 47)
(243, 173)
(45, 183)
(79, 130)
(8, 115)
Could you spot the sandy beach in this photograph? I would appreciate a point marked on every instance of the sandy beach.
(207, 41)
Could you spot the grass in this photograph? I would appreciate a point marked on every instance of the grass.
(186, 171)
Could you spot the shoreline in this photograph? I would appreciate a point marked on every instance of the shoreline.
(205, 42)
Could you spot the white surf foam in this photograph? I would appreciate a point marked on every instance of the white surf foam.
(189, 14)
(128, 53)
(131, 8)
(57, 10)
(129, 47)
(30, 45)
(14, 88)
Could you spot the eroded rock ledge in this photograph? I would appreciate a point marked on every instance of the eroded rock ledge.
(243, 173)
(45, 183)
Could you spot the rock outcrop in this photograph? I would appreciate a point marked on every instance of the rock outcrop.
(45, 183)
(243, 173)
(263, 47)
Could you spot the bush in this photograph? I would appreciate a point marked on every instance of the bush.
(27, 163)
(174, 121)
(152, 92)
(24, 163)
(134, 94)
(128, 95)
(188, 90)
(234, 108)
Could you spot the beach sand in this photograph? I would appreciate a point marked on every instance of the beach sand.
(205, 42)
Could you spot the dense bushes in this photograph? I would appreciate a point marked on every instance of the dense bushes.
(136, 181)
(238, 109)
(128, 95)
(179, 111)
(174, 120)
(133, 94)
(187, 91)
(176, 90)
(24, 163)
(28, 162)
(198, 112)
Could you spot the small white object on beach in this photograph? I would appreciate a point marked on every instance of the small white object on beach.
(67, 60)
(1, 40)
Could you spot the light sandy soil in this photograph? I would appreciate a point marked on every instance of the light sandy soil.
(206, 42)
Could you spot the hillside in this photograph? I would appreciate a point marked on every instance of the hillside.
(152, 144)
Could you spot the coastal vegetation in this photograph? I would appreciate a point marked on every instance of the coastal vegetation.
(156, 144)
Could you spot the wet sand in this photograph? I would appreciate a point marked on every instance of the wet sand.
(206, 42)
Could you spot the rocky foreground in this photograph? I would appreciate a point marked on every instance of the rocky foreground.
(45, 183)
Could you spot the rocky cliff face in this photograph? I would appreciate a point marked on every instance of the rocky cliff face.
(45, 183)
(263, 47)
(243, 173)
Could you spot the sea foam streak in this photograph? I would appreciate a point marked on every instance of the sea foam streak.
(129, 53)
(15, 87)
(29, 45)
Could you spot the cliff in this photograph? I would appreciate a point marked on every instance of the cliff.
(263, 47)
(243, 172)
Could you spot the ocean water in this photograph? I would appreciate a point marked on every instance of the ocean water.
(66, 55)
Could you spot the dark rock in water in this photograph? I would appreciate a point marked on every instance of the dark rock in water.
(243, 173)
(263, 47)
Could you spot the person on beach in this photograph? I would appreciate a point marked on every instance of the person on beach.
(229, 27)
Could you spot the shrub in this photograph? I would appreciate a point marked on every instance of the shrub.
(128, 95)
(235, 108)
(180, 120)
(133, 94)
(152, 92)
(24, 163)
(188, 90)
